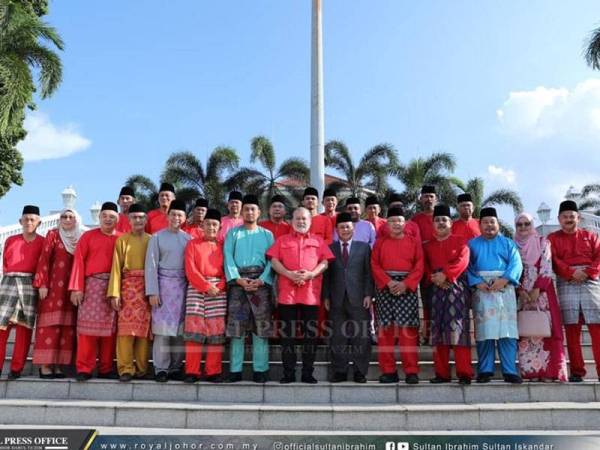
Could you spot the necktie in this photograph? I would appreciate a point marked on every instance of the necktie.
(345, 253)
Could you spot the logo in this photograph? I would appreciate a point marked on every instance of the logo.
(390, 445)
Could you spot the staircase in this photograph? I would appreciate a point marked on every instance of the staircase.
(322, 407)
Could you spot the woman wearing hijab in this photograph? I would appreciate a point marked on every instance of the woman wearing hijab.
(539, 358)
(57, 317)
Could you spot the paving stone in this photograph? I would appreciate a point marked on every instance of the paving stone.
(103, 390)
(232, 393)
(297, 393)
(425, 392)
(496, 392)
(32, 388)
(172, 391)
(562, 392)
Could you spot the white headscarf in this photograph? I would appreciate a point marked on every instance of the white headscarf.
(71, 237)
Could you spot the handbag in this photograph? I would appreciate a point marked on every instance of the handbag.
(534, 323)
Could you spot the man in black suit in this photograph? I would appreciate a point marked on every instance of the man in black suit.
(347, 290)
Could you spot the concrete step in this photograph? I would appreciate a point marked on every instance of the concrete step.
(322, 370)
(259, 416)
(298, 393)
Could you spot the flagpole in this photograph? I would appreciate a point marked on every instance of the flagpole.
(317, 122)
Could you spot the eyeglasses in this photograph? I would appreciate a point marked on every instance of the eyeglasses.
(523, 224)
(65, 217)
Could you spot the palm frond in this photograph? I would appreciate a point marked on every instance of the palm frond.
(504, 197)
(221, 161)
(262, 150)
(439, 162)
(588, 189)
(337, 156)
(185, 169)
(294, 168)
(592, 50)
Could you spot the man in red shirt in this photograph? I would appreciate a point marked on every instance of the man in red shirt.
(194, 228)
(397, 266)
(18, 297)
(126, 199)
(276, 223)
(465, 226)
(320, 225)
(410, 228)
(373, 209)
(299, 258)
(157, 218)
(330, 202)
(96, 319)
(446, 261)
(576, 261)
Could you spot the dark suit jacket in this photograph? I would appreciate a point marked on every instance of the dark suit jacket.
(354, 281)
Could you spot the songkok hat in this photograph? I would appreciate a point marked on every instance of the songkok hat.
(394, 197)
(343, 217)
(127, 190)
(235, 195)
(371, 200)
(137, 208)
(568, 205)
(466, 197)
(213, 214)
(167, 187)
(109, 206)
(178, 205)
(201, 202)
(488, 212)
(329, 192)
(428, 189)
(395, 211)
(31, 209)
(277, 199)
(250, 199)
(310, 191)
(352, 201)
(441, 210)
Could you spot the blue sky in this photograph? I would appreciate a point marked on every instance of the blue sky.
(502, 85)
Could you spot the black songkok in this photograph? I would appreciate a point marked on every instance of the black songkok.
(329, 193)
(137, 208)
(488, 212)
(441, 210)
(235, 195)
(343, 217)
(395, 211)
(464, 198)
(201, 202)
(428, 189)
(371, 200)
(352, 201)
(109, 206)
(213, 214)
(277, 199)
(250, 199)
(127, 190)
(310, 191)
(568, 205)
(167, 187)
(31, 209)
(178, 205)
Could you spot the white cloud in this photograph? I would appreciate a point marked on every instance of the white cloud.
(551, 112)
(46, 140)
(501, 174)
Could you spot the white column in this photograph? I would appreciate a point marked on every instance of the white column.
(317, 123)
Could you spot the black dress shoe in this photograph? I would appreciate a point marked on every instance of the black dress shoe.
(126, 377)
(576, 379)
(359, 377)
(484, 377)
(260, 377)
(309, 379)
(191, 379)
(234, 377)
(14, 375)
(108, 376)
(412, 378)
(46, 376)
(513, 379)
(439, 380)
(339, 377)
(389, 378)
(82, 376)
(464, 381)
(162, 377)
(177, 375)
(59, 375)
(287, 379)
(217, 378)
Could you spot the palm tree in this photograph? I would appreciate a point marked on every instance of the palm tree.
(370, 173)
(499, 197)
(21, 30)
(146, 191)
(20, 52)
(193, 180)
(434, 170)
(592, 50)
(267, 180)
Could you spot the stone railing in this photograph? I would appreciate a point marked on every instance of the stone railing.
(590, 222)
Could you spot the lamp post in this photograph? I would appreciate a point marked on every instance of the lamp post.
(95, 213)
(317, 122)
(69, 197)
(543, 213)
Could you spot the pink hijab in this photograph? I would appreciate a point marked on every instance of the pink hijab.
(528, 241)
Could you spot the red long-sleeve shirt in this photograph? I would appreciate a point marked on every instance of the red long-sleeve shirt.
(468, 229)
(278, 229)
(93, 255)
(400, 255)
(123, 225)
(321, 226)
(204, 259)
(425, 223)
(450, 256)
(157, 220)
(581, 248)
(410, 229)
(20, 255)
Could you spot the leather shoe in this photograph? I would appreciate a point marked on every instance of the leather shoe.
(464, 381)
(287, 379)
(260, 377)
(162, 377)
(412, 378)
(82, 376)
(513, 379)
(389, 378)
(191, 379)
(126, 377)
(339, 377)
(576, 379)
(359, 377)
(439, 380)
(177, 375)
(217, 378)
(234, 377)
(46, 376)
(14, 375)
(108, 376)
(309, 379)
(484, 377)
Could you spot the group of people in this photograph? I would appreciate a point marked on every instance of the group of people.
(181, 288)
